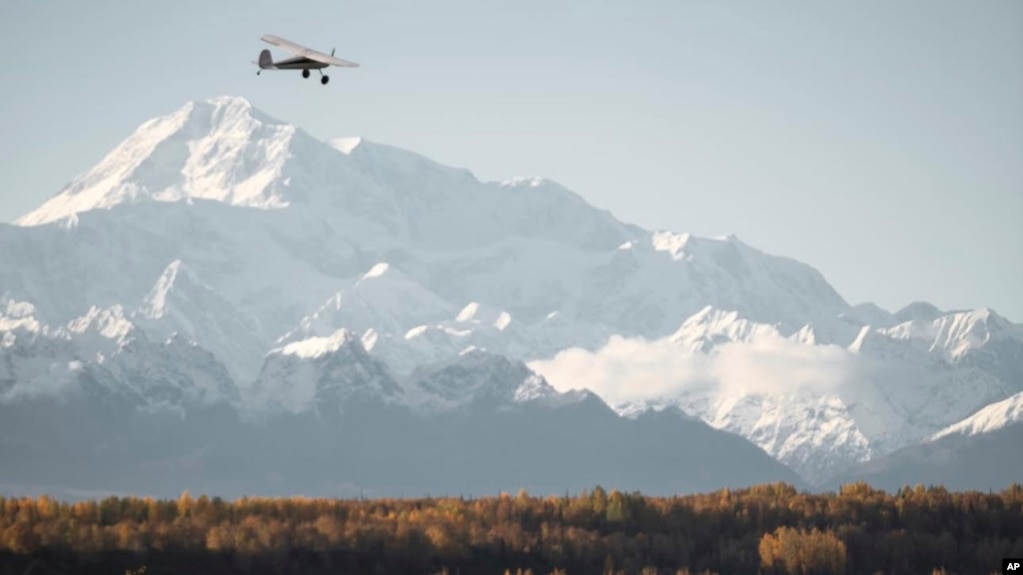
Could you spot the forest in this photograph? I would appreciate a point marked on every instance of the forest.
(768, 529)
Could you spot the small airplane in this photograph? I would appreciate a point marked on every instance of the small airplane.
(305, 59)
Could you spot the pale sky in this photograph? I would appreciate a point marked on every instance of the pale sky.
(880, 142)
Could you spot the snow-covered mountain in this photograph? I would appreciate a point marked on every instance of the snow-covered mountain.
(321, 374)
(980, 452)
(819, 399)
(104, 353)
(990, 419)
(221, 257)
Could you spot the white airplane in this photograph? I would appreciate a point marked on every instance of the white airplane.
(305, 59)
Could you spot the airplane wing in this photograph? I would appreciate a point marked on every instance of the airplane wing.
(307, 52)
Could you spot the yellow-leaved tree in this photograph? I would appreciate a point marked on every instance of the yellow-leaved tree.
(801, 552)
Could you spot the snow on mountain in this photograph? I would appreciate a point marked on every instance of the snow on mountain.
(958, 334)
(423, 344)
(181, 304)
(531, 241)
(813, 433)
(317, 272)
(383, 309)
(224, 150)
(33, 360)
(816, 406)
(976, 454)
(445, 335)
(104, 352)
(38, 359)
(324, 372)
(478, 377)
(173, 375)
(735, 276)
(19, 314)
(111, 323)
(383, 299)
(346, 213)
(710, 327)
(940, 371)
(321, 374)
(178, 305)
(471, 313)
(200, 151)
(919, 376)
(477, 326)
(989, 419)
(795, 405)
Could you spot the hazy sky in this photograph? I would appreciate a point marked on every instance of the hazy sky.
(880, 142)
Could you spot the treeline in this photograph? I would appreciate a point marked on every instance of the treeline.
(763, 529)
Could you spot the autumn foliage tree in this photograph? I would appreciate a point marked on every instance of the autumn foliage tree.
(802, 552)
(767, 528)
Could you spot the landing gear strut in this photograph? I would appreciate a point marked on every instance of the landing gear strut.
(305, 73)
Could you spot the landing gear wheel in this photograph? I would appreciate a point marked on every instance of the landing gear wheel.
(324, 80)
(305, 73)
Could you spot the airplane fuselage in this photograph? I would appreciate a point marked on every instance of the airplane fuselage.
(296, 63)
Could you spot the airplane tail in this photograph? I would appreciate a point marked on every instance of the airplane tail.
(265, 59)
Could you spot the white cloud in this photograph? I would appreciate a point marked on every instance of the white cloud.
(636, 369)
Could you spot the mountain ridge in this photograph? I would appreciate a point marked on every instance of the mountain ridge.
(221, 227)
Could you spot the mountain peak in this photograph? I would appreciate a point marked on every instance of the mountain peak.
(711, 326)
(225, 101)
(917, 310)
(219, 149)
(958, 333)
